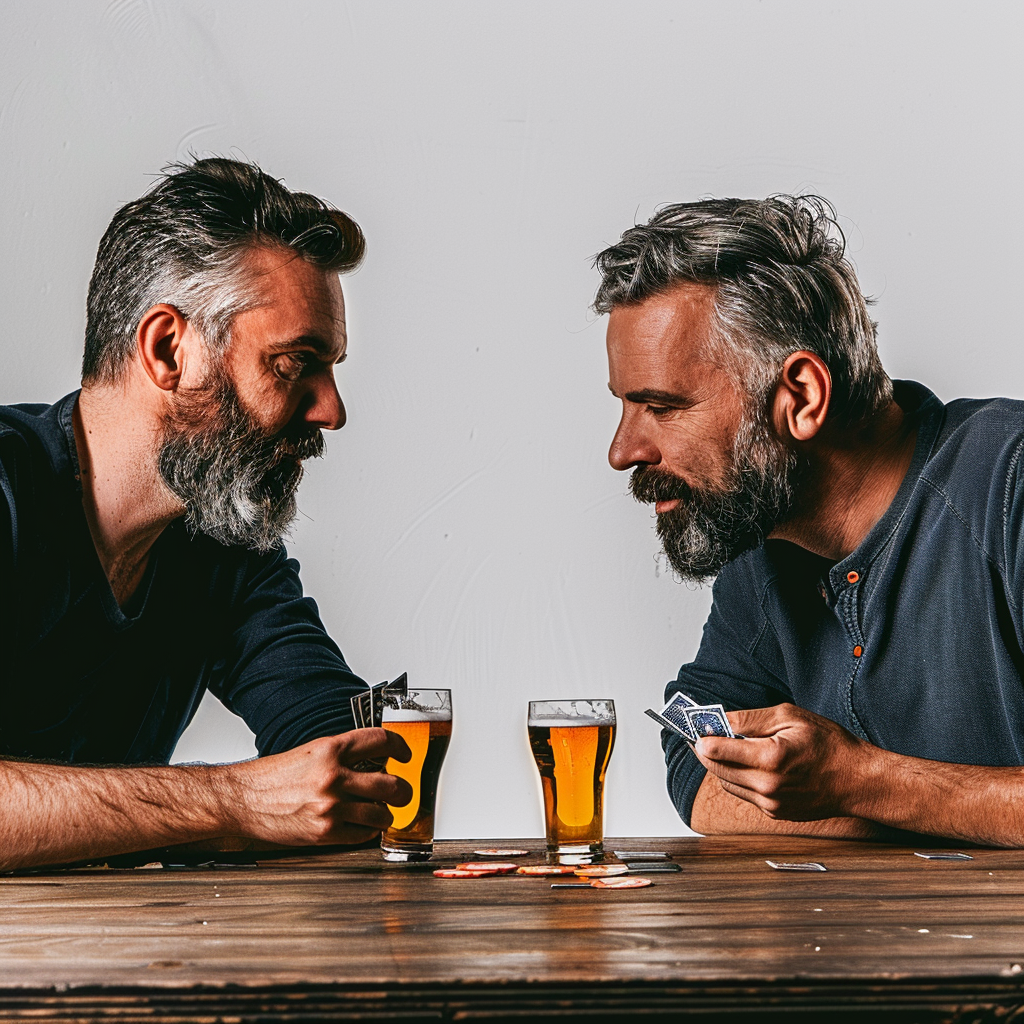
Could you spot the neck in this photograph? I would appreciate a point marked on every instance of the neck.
(127, 505)
(853, 478)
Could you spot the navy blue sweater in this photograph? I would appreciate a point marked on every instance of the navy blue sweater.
(81, 682)
(914, 641)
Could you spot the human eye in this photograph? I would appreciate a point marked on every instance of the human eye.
(290, 366)
(659, 410)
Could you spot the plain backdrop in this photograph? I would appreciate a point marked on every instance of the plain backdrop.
(465, 526)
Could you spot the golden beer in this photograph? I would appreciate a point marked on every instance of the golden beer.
(572, 743)
(423, 718)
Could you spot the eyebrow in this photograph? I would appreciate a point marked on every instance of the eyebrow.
(313, 340)
(650, 396)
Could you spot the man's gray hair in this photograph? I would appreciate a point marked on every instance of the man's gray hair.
(782, 283)
(186, 242)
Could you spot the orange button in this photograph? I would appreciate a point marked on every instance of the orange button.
(852, 577)
(858, 651)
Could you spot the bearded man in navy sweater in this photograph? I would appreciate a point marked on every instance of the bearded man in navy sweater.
(141, 521)
(866, 634)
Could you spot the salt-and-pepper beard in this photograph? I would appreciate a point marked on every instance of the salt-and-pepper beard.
(712, 526)
(236, 480)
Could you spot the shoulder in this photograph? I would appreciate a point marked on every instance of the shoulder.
(974, 462)
(34, 453)
(976, 435)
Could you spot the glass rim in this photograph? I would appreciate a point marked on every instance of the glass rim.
(549, 712)
(574, 700)
(438, 703)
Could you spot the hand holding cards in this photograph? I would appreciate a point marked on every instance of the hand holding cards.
(687, 718)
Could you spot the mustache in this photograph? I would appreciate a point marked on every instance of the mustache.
(649, 484)
(307, 443)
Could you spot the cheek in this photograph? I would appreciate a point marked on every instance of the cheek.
(701, 453)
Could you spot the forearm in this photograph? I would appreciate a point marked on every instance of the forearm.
(58, 813)
(716, 812)
(973, 803)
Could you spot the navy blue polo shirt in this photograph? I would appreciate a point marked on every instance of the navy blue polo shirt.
(915, 641)
(83, 682)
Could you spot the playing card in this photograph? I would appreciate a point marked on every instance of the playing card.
(782, 865)
(675, 712)
(671, 726)
(708, 720)
(625, 855)
(682, 698)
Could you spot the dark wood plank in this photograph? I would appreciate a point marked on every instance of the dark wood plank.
(344, 927)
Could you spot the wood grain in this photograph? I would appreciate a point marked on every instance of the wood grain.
(346, 933)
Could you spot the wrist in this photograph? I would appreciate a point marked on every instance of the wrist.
(230, 799)
(868, 782)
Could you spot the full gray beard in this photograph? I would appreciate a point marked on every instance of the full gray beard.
(710, 527)
(236, 481)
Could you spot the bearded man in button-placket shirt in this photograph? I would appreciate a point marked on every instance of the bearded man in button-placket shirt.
(866, 632)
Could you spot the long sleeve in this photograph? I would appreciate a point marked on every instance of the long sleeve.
(283, 674)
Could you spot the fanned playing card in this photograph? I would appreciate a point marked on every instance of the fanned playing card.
(368, 712)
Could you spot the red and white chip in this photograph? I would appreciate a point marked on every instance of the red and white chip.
(546, 870)
(497, 867)
(601, 870)
(461, 873)
(502, 853)
(621, 883)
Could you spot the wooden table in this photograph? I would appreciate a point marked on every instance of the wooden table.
(341, 936)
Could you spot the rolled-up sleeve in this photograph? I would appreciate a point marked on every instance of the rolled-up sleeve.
(283, 674)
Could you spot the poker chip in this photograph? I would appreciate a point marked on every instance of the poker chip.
(502, 853)
(462, 873)
(545, 870)
(496, 867)
(600, 870)
(621, 883)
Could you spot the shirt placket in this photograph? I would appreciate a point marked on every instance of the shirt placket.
(847, 589)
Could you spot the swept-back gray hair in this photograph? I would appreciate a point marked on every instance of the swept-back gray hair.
(782, 283)
(186, 242)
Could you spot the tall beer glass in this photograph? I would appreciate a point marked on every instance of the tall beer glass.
(423, 718)
(572, 742)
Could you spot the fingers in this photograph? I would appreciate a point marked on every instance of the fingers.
(749, 753)
(371, 815)
(360, 744)
(374, 786)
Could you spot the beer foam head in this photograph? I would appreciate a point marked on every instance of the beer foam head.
(562, 713)
(412, 715)
(567, 721)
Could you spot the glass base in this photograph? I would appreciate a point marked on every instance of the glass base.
(403, 854)
(576, 853)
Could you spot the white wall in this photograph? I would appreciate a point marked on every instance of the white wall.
(465, 525)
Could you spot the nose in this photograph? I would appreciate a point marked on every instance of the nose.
(326, 409)
(631, 446)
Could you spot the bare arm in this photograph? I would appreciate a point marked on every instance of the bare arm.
(58, 813)
(797, 767)
(717, 812)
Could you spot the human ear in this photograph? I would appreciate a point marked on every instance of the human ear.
(158, 341)
(802, 396)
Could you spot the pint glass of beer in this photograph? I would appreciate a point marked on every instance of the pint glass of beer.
(423, 718)
(572, 742)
